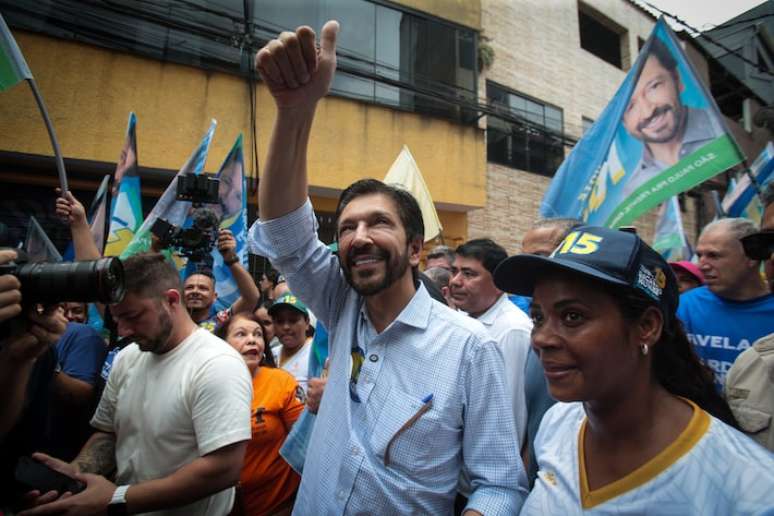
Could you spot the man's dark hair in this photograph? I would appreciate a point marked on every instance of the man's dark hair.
(489, 253)
(660, 51)
(150, 275)
(407, 207)
(206, 271)
(767, 197)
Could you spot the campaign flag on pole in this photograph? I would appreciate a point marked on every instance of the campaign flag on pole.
(13, 67)
(38, 246)
(232, 212)
(669, 239)
(168, 207)
(405, 173)
(126, 204)
(660, 135)
(739, 198)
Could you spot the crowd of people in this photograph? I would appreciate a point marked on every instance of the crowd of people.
(584, 375)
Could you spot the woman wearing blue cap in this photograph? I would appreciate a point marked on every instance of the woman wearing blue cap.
(639, 429)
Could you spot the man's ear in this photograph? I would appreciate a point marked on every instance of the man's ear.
(415, 251)
(172, 296)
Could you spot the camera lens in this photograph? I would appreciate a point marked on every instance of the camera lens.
(85, 281)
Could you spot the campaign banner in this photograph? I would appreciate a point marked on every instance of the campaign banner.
(660, 135)
(168, 207)
(126, 203)
(669, 239)
(232, 213)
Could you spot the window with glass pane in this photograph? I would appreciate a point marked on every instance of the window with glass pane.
(403, 59)
(528, 137)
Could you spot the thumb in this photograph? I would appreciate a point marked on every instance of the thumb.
(328, 38)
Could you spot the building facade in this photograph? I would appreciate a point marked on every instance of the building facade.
(413, 72)
(407, 70)
(556, 67)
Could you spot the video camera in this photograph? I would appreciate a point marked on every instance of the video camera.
(197, 241)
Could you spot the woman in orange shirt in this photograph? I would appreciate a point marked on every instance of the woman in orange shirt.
(267, 484)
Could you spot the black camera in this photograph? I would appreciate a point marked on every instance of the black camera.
(759, 246)
(197, 241)
(83, 281)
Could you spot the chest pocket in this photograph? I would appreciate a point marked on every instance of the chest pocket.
(421, 446)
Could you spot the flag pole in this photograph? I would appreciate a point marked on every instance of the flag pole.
(51, 134)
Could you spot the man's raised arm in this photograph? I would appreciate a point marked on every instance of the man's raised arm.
(298, 75)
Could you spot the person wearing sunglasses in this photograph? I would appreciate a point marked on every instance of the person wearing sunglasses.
(639, 427)
(750, 381)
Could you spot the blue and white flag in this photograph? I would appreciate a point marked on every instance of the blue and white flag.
(232, 212)
(741, 196)
(126, 204)
(669, 239)
(168, 207)
(661, 134)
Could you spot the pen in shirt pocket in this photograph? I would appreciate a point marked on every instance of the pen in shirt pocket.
(427, 404)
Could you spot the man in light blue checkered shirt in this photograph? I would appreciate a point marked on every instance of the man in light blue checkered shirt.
(416, 391)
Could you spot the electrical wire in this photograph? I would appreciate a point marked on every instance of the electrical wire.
(703, 35)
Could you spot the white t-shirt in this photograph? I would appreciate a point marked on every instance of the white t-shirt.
(298, 364)
(168, 410)
(711, 469)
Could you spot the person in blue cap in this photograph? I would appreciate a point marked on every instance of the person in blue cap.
(639, 427)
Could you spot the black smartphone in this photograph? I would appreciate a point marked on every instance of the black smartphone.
(37, 475)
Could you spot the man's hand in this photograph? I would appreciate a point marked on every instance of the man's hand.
(10, 289)
(70, 210)
(314, 392)
(47, 324)
(93, 500)
(226, 244)
(45, 328)
(36, 498)
(297, 73)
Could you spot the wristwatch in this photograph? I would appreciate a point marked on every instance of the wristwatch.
(117, 505)
(231, 261)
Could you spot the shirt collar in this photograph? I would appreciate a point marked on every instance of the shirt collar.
(489, 317)
(416, 313)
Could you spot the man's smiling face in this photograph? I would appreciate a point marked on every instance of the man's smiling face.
(373, 250)
(655, 113)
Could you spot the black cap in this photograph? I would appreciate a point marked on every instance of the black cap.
(760, 245)
(608, 255)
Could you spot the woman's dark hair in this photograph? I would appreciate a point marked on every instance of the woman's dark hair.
(676, 367)
(221, 331)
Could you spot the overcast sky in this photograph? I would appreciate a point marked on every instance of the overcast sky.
(705, 14)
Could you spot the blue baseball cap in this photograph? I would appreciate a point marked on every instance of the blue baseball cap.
(608, 255)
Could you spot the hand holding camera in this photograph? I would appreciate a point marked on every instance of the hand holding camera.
(10, 289)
